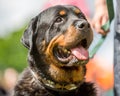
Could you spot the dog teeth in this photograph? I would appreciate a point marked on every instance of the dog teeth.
(69, 52)
(62, 53)
(81, 62)
(66, 51)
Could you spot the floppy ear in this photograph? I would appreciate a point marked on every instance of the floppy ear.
(28, 33)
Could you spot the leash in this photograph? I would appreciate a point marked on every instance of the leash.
(105, 27)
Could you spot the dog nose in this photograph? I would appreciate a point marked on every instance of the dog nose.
(82, 24)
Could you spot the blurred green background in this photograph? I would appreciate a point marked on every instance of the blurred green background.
(14, 15)
(12, 52)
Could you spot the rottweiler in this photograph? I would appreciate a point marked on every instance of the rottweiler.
(57, 40)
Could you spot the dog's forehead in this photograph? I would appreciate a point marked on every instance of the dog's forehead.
(63, 10)
(60, 10)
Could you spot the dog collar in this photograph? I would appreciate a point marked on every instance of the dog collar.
(56, 86)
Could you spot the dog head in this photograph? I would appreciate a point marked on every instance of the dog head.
(58, 39)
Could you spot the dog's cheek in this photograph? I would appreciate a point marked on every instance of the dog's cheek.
(40, 40)
(41, 46)
(51, 33)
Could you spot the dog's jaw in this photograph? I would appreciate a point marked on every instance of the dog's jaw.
(67, 75)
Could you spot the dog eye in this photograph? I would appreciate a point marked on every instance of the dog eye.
(59, 20)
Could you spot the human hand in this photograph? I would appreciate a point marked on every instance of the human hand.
(100, 18)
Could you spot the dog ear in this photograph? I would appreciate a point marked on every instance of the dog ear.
(28, 33)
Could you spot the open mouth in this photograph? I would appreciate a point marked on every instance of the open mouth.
(79, 52)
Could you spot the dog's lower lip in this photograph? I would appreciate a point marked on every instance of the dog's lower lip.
(65, 60)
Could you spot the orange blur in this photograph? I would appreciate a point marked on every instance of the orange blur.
(100, 73)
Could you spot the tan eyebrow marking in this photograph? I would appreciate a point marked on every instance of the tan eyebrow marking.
(77, 11)
(62, 12)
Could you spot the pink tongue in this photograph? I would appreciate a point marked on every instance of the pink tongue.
(80, 52)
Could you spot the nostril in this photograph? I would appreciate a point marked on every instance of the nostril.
(81, 26)
(88, 25)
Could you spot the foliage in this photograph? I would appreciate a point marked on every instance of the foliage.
(12, 52)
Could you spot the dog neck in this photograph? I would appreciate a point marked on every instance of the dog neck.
(51, 85)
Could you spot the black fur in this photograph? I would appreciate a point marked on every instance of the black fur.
(37, 38)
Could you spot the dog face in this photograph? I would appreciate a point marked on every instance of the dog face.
(58, 39)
